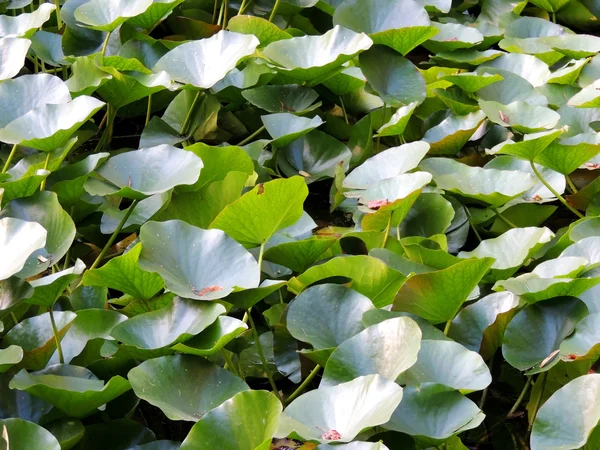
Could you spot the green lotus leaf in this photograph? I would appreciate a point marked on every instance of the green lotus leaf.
(68, 432)
(103, 16)
(364, 402)
(346, 81)
(371, 277)
(327, 315)
(281, 98)
(12, 53)
(299, 255)
(459, 103)
(584, 341)
(584, 248)
(453, 36)
(530, 148)
(124, 274)
(510, 89)
(141, 173)
(387, 164)
(247, 421)
(88, 325)
(35, 336)
(260, 213)
(23, 435)
(528, 67)
(397, 81)
(510, 250)
(521, 116)
(586, 98)
(589, 72)
(431, 214)
(285, 128)
(433, 295)
(392, 189)
(44, 209)
(495, 187)
(142, 212)
(20, 239)
(388, 349)
(401, 26)
(480, 326)
(47, 289)
(434, 411)
(214, 338)
(254, 73)
(546, 324)
(203, 63)
(176, 322)
(567, 154)
(466, 58)
(184, 387)
(25, 25)
(156, 12)
(450, 135)
(472, 82)
(87, 76)
(568, 73)
(398, 122)
(575, 46)
(248, 298)
(9, 357)
(568, 417)
(308, 58)
(74, 390)
(265, 31)
(450, 364)
(428, 331)
(118, 434)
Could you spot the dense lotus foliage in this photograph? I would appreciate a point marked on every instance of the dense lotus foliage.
(299, 224)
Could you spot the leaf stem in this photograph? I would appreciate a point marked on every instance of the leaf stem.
(105, 44)
(149, 110)
(225, 11)
(447, 327)
(541, 378)
(43, 183)
(252, 136)
(57, 10)
(113, 237)
(274, 11)
(485, 391)
(304, 384)
(14, 318)
(242, 7)
(188, 118)
(61, 357)
(343, 109)
(387, 231)
(473, 227)
(503, 218)
(571, 184)
(229, 362)
(261, 354)
(215, 10)
(554, 192)
(520, 397)
(10, 157)
(553, 17)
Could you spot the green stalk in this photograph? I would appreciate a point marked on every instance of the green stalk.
(215, 10)
(571, 184)
(553, 17)
(504, 219)
(304, 384)
(344, 109)
(10, 157)
(61, 357)
(242, 6)
(43, 183)
(447, 327)
(149, 110)
(225, 10)
(105, 44)
(188, 118)
(274, 12)
(57, 10)
(261, 354)
(14, 318)
(221, 13)
(556, 194)
(521, 396)
(541, 378)
(387, 231)
(113, 237)
(252, 136)
(473, 227)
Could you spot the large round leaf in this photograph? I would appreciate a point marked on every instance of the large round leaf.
(568, 417)
(281, 98)
(285, 127)
(184, 387)
(340, 412)
(24, 25)
(19, 434)
(203, 63)
(196, 263)
(44, 209)
(247, 421)
(520, 115)
(148, 171)
(12, 54)
(19, 239)
(387, 349)
(308, 57)
(177, 322)
(107, 15)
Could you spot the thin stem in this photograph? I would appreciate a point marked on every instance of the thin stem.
(61, 357)
(43, 183)
(541, 378)
(261, 354)
(14, 318)
(188, 118)
(225, 11)
(68, 254)
(149, 110)
(274, 12)
(447, 327)
(10, 157)
(504, 219)
(521, 396)
(553, 17)
(57, 10)
(485, 391)
(551, 189)
(398, 232)
(228, 362)
(571, 184)
(105, 45)
(221, 13)
(215, 10)
(387, 231)
(242, 6)
(344, 109)
(113, 237)
(473, 227)
(304, 384)
(252, 136)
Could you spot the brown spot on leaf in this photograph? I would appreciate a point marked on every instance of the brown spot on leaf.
(286, 107)
(549, 358)
(305, 174)
(207, 290)
(331, 435)
(261, 189)
(376, 204)
(504, 117)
